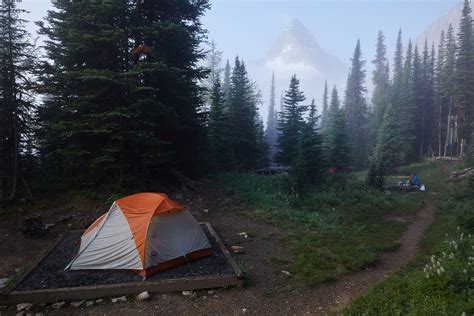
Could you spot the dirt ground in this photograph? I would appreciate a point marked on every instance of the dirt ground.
(267, 289)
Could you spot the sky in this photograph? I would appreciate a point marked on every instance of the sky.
(248, 27)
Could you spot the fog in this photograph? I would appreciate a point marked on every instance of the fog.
(314, 39)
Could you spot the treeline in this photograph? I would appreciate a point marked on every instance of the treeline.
(119, 97)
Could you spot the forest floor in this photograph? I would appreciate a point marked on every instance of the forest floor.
(267, 289)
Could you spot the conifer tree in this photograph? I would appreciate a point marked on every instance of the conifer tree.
(220, 157)
(440, 100)
(290, 123)
(464, 74)
(448, 88)
(355, 108)
(16, 65)
(397, 80)
(405, 110)
(336, 146)
(387, 149)
(226, 84)
(244, 122)
(307, 168)
(381, 81)
(325, 102)
(271, 132)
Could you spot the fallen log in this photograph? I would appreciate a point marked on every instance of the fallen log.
(457, 176)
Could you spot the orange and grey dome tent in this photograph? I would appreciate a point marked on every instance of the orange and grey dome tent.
(146, 232)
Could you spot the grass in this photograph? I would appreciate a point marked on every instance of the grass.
(418, 289)
(331, 232)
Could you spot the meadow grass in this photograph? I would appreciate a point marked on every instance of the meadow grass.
(331, 231)
(422, 287)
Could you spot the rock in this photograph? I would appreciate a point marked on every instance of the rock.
(119, 299)
(3, 282)
(58, 305)
(39, 314)
(24, 307)
(206, 210)
(244, 234)
(237, 249)
(211, 292)
(143, 296)
(89, 303)
(286, 272)
(188, 293)
(98, 301)
(77, 303)
(244, 310)
(20, 314)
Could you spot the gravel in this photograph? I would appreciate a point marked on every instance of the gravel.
(50, 274)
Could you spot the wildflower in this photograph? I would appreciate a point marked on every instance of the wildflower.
(442, 269)
(438, 271)
(465, 271)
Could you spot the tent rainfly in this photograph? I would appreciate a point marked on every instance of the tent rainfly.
(145, 232)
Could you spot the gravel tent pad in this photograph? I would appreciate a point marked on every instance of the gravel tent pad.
(49, 274)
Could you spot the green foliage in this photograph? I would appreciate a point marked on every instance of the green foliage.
(307, 168)
(290, 123)
(16, 102)
(336, 142)
(110, 115)
(330, 232)
(355, 110)
(245, 129)
(387, 151)
(440, 279)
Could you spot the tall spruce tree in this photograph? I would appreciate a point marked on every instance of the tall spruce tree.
(381, 81)
(449, 83)
(336, 148)
(325, 102)
(387, 149)
(226, 84)
(290, 123)
(464, 76)
(355, 108)
(397, 80)
(440, 101)
(244, 122)
(307, 168)
(220, 156)
(115, 52)
(406, 108)
(16, 63)
(271, 132)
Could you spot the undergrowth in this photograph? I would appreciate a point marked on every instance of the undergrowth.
(441, 279)
(331, 230)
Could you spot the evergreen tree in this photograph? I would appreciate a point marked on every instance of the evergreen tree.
(307, 168)
(15, 98)
(439, 94)
(214, 60)
(448, 87)
(336, 141)
(220, 157)
(397, 81)
(355, 107)
(405, 110)
(244, 122)
(325, 108)
(271, 133)
(112, 110)
(387, 149)
(381, 81)
(464, 74)
(290, 123)
(226, 84)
